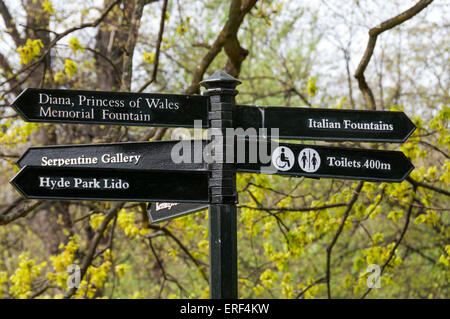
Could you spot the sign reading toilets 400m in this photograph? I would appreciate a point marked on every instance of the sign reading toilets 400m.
(119, 108)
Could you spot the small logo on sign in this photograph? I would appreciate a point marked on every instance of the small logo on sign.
(160, 206)
(283, 158)
(309, 160)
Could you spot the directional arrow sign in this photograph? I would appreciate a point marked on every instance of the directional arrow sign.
(250, 155)
(117, 108)
(326, 124)
(111, 184)
(330, 162)
(143, 156)
(158, 212)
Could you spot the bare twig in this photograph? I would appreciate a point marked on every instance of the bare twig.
(373, 34)
(397, 243)
(338, 233)
(293, 209)
(158, 47)
(10, 24)
(87, 261)
(61, 35)
(6, 218)
(127, 67)
(421, 184)
(228, 33)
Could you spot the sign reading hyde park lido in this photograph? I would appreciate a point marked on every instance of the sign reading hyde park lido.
(118, 108)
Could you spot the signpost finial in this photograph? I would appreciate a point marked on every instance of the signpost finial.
(220, 79)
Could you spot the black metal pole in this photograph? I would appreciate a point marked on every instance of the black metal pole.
(220, 87)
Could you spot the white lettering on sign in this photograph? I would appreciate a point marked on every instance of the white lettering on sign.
(91, 101)
(350, 125)
(46, 182)
(50, 112)
(112, 183)
(160, 206)
(107, 158)
(323, 123)
(83, 183)
(49, 99)
(348, 163)
(120, 158)
(80, 160)
(161, 104)
(107, 108)
(118, 116)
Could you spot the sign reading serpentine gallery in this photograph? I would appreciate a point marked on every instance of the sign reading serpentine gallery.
(141, 155)
(119, 108)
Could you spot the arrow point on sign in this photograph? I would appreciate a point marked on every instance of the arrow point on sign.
(16, 104)
(410, 127)
(411, 167)
(15, 185)
(20, 159)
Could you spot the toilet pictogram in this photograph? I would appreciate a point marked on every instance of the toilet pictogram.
(309, 160)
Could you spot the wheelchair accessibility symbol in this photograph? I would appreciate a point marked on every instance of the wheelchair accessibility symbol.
(282, 158)
(309, 160)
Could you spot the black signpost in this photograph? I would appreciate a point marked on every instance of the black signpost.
(118, 108)
(330, 162)
(220, 87)
(142, 156)
(327, 124)
(71, 183)
(153, 171)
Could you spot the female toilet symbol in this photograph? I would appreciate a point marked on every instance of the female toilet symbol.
(309, 160)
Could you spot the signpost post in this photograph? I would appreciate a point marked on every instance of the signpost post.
(220, 87)
(147, 171)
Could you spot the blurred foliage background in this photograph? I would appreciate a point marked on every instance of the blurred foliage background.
(297, 237)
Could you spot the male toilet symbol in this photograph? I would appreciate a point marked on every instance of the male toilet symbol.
(309, 160)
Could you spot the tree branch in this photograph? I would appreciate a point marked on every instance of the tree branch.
(420, 184)
(127, 69)
(158, 48)
(59, 36)
(397, 243)
(10, 24)
(93, 245)
(6, 218)
(373, 34)
(229, 31)
(294, 209)
(183, 248)
(338, 233)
